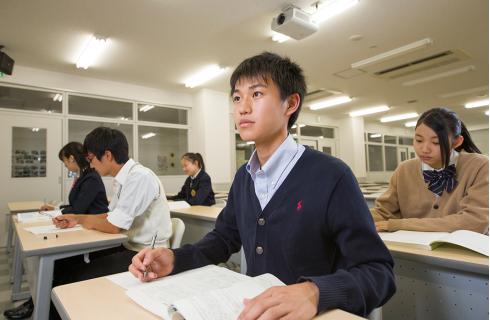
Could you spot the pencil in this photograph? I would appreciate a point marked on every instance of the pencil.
(145, 274)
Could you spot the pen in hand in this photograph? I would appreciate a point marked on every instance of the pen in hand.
(145, 274)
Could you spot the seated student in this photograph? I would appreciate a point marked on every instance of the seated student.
(138, 209)
(298, 213)
(87, 195)
(445, 189)
(197, 189)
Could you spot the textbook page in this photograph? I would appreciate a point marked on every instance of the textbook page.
(52, 229)
(224, 303)
(125, 280)
(469, 239)
(38, 216)
(158, 295)
(178, 205)
(418, 238)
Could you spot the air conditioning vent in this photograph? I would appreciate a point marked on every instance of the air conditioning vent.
(320, 93)
(413, 63)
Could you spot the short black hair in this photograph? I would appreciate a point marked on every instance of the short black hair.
(446, 123)
(287, 75)
(103, 139)
(75, 149)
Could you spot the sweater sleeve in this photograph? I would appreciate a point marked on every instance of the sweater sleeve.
(363, 279)
(472, 216)
(216, 247)
(386, 205)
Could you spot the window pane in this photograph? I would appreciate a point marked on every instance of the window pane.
(161, 114)
(100, 107)
(160, 149)
(243, 150)
(312, 131)
(23, 99)
(390, 139)
(375, 137)
(405, 141)
(375, 158)
(28, 152)
(390, 158)
(78, 129)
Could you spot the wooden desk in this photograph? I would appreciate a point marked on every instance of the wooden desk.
(18, 207)
(100, 298)
(449, 282)
(42, 254)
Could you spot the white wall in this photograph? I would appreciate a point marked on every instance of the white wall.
(480, 138)
(211, 133)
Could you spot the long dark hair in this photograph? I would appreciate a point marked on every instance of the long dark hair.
(75, 149)
(446, 123)
(192, 157)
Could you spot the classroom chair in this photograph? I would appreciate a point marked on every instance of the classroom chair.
(220, 203)
(178, 228)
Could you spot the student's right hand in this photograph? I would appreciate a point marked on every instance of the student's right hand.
(46, 207)
(159, 262)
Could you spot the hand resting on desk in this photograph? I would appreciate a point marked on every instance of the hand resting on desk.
(381, 226)
(65, 221)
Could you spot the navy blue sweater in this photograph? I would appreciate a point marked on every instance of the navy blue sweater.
(87, 195)
(316, 227)
(197, 191)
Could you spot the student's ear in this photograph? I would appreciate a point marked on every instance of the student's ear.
(71, 158)
(457, 141)
(293, 102)
(109, 155)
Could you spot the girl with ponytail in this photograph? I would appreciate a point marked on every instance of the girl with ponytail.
(445, 188)
(197, 189)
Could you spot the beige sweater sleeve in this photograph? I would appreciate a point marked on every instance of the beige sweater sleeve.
(473, 214)
(386, 205)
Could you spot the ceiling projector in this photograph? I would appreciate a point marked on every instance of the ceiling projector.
(295, 23)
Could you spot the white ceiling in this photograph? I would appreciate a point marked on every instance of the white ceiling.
(159, 43)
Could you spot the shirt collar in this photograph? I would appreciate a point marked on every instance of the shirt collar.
(453, 159)
(197, 173)
(122, 175)
(277, 162)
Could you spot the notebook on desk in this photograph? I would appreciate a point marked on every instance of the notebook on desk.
(205, 293)
(430, 240)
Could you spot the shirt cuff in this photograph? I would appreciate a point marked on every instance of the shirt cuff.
(119, 219)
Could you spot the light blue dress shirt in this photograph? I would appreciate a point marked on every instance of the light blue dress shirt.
(270, 177)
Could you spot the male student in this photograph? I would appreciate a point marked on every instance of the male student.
(298, 213)
(138, 208)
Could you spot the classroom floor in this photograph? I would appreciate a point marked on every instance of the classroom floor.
(5, 285)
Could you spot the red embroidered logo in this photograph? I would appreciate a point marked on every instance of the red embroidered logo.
(298, 207)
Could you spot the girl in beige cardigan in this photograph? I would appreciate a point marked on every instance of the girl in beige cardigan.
(445, 189)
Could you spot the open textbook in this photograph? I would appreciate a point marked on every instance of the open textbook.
(207, 293)
(38, 216)
(430, 240)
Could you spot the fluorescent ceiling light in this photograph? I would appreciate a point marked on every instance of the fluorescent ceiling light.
(332, 8)
(476, 104)
(440, 75)
(91, 51)
(330, 102)
(146, 107)
(399, 117)
(123, 118)
(250, 142)
(486, 112)
(393, 53)
(366, 111)
(58, 97)
(204, 75)
(410, 124)
(294, 126)
(463, 92)
(35, 129)
(148, 135)
(375, 135)
(279, 37)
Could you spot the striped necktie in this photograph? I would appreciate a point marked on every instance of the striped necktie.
(441, 180)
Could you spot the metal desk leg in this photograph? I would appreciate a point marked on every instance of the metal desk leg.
(10, 233)
(42, 294)
(17, 271)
